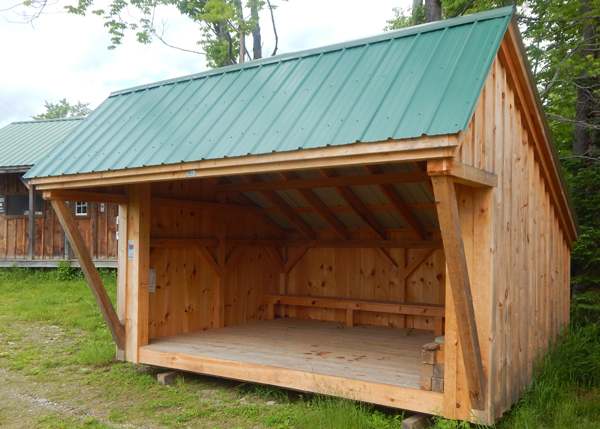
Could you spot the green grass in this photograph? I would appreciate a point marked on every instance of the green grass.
(51, 330)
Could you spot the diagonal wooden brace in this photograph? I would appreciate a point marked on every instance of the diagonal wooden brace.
(447, 209)
(69, 225)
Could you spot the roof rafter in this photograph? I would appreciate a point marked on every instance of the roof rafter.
(401, 207)
(285, 210)
(241, 199)
(315, 202)
(360, 209)
(352, 200)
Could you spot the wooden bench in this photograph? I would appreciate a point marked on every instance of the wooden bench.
(437, 311)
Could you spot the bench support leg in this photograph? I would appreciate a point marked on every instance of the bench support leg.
(270, 311)
(350, 318)
(439, 326)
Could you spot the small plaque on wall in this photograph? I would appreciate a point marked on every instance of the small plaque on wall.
(152, 281)
(1, 204)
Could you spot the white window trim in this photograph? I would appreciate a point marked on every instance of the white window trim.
(79, 206)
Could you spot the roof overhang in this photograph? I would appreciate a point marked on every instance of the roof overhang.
(513, 56)
(15, 168)
(407, 150)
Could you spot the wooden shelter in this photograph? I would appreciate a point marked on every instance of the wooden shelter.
(315, 220)
(24, 214)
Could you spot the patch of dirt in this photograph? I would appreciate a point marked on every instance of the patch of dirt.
(25, 403)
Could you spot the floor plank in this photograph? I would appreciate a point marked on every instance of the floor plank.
(378, 354)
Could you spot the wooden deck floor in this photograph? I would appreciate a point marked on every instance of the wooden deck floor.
(307, 355)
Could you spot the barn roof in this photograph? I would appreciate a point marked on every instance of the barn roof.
(22, 144)
(401, 84)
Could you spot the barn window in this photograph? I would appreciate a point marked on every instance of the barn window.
(81, 208)
(17, 205)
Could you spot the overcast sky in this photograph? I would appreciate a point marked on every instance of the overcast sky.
(66, 56)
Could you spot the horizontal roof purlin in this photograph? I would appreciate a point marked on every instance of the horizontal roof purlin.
(24, 143)
(398, 85)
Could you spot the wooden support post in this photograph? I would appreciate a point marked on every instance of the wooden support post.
(67, 243)
(31, 250)
(121, 271)
(208, 258)
(67, 221)
(218, 320)
(295, 258)
(447, 208)
(419, 259)
(138, 270)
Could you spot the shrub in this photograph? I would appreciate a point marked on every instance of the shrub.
(65, 271)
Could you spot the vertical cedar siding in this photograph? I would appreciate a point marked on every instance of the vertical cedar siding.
(528, 282)
(98, 229)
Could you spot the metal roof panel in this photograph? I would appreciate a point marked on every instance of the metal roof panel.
(402, 84)
(25, 143)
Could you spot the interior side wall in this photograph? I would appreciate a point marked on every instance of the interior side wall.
(98, 229)
(185, 283)
(530, 255)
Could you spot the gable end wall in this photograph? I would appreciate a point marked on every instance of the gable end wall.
(527, 248)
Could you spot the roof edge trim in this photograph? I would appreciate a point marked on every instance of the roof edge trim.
(411, 149)
(37, 121)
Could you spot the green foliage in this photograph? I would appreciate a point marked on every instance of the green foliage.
(564, 394)
(265, 392)
(403, 20)
(221, 22)
(585, 187)
(324, 412)
(63, 109)
(65, 271)
(441, 423)
(585, 308)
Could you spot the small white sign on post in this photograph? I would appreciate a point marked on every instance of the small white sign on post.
(152, 281)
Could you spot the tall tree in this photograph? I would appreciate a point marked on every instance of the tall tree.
(433, 10)
(63, 109)
(224, 24)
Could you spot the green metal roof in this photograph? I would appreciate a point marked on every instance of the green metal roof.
(22, 144)
(401, 84)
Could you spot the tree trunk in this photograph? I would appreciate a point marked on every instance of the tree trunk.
(417, 12)
(242, 34)
(584, 136)
(433, 10)
(583, 109)
(256, 38)
(224, 36)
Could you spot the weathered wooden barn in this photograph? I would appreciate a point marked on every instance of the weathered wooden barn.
(24, 214)
(315, 220)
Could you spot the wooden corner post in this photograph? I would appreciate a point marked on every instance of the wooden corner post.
(31, 250)
(137, 294)
(69, 225)
(447, 209)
